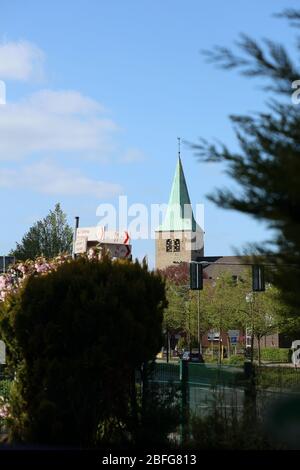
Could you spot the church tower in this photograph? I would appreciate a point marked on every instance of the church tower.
(179, 237)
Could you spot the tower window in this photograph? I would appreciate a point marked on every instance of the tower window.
(177, 245)
(169, 244)
(173, 245)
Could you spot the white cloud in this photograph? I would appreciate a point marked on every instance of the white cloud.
(20, 60)
(132, 155)
(48, 178)
(64, 121)
(62, 102)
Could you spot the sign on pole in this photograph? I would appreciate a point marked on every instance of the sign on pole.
(258, 278)
(116, 243)
(80, 245)
(233, 333)
(233, 336)
(196, 276)
(117, 250)
(213, 335)
(92, 234)
(116, 237)
(100, 235)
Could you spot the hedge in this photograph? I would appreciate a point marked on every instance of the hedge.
(275, 354)
(236, 360)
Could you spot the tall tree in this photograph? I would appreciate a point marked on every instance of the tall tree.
(176, 316)
(200, 306)
(47, 237)
(181, 315)
(267, 166)
(260, 313)
(224, 306)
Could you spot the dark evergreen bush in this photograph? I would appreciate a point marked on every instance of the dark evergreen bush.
(75, 337)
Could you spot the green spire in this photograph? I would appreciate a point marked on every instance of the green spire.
(179, 214)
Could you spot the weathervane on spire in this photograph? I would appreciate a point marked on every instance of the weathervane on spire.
(178, 138)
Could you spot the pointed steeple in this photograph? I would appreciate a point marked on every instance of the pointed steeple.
(179, 214)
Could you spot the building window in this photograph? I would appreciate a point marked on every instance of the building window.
(177, 245)
(169, 244)
(173, 245)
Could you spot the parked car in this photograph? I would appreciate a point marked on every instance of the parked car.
(192, 357)
(185, 356)
(196, 357)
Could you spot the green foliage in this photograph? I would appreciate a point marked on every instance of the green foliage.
(236, 360)
(182, 312)
(175, 316)
(160, 416)
(5, 387)
(205, 318)
(229, 306)
(178, 275)
(208, 358)
(48, 237)
(221, 430)
(276, 354)
(289, 325)
(267, 164)
(75, 337)
(278, 377)
(224, 303)
(182, 343)
(261, 312)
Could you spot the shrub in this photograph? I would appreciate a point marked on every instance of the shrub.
(220, 431)
(278, 377)
(209, 358)
(75, 337)
(275, 354)
(236, 360)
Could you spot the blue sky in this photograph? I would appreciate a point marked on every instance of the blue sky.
(97, 93)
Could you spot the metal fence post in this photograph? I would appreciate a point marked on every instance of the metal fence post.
(184, 381)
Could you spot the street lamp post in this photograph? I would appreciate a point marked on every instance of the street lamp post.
(199, 339)
(250, 300)
(258, 285)
(196, 283)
